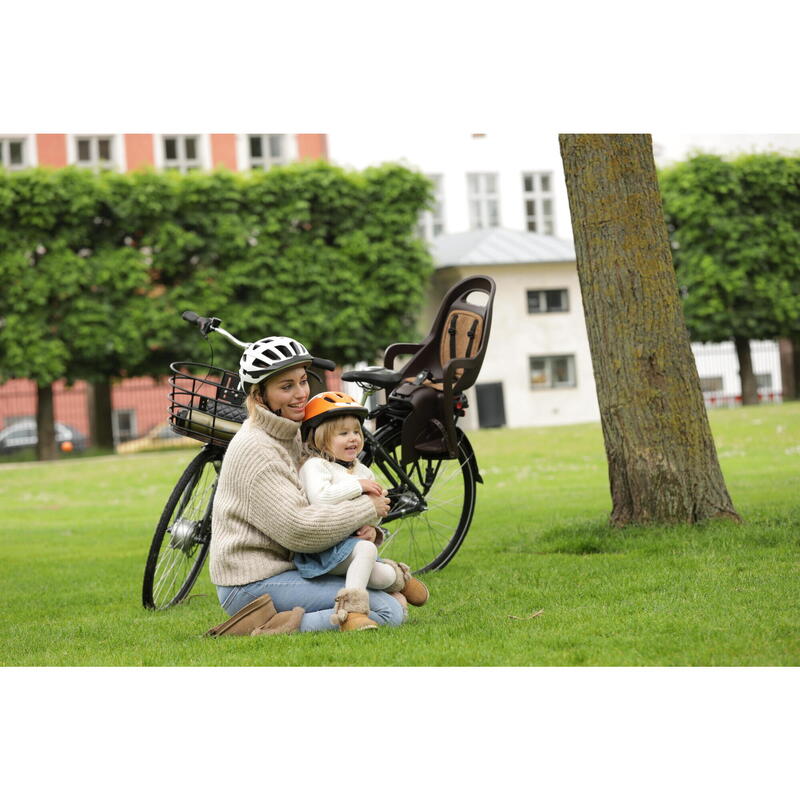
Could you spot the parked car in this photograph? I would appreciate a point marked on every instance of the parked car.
(23, 434)
(157, 438)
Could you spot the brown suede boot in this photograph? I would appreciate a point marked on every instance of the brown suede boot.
(351, 609)
(257, 618)
(282, 622)
(245, 621)
(413, 589)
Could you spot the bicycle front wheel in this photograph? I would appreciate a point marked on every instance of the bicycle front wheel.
(183, 534)
(430, 535)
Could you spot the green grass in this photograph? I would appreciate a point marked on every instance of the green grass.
(75, 534)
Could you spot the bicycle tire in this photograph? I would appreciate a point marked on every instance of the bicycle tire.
(428, 540)
(183, 534)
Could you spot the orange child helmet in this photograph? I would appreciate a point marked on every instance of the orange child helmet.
(327, 405)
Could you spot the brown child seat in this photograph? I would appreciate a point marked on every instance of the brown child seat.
(446, 363)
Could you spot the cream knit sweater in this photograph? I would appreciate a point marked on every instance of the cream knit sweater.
(261, 514)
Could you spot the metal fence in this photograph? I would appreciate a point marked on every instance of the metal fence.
(140, 405)
(140, 410)
(718, 367)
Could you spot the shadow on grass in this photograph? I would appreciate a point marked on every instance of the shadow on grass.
(581, 537)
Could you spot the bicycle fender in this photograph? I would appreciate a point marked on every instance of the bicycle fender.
(467, 445)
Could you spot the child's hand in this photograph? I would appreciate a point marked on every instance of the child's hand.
(381, 504)
(367, 532)
(370, 487)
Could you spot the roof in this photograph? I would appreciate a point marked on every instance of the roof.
(499, 246)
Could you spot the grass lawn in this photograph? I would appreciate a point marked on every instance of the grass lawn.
(75, 533)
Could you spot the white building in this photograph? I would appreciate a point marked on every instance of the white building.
(502, 210)
(537, 369)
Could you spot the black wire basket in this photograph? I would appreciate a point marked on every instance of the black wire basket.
(205, 402)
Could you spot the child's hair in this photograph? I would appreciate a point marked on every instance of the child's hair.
(319, 440)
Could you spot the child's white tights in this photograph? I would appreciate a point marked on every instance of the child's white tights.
(362, 571)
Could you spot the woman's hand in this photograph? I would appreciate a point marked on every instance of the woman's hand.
(370, 487)
(381, 503)
(367, 532)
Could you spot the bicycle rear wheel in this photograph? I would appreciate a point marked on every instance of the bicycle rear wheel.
(183, 534)
(426, 538)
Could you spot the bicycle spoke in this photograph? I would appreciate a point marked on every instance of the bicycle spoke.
(181, 549)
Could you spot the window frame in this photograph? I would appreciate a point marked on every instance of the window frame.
(181, 162)
(479, 199)
(266, 160)
(431, 222)
(543, 297)
(119, 434)
(540, 221)
(95, 162)
(5, 153)
(572, 381)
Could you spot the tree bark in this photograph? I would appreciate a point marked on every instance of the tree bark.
(746, 376)
(662, 461)
(788, 356)
(101, 429)
(46, 448)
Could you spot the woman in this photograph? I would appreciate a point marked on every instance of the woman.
(261, 516)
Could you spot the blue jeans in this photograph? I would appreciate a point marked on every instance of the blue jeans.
(316, 596)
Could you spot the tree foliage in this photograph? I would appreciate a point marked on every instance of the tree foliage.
(95, 269)
(735, 232)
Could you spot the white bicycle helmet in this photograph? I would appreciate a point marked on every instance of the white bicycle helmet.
(268, 356)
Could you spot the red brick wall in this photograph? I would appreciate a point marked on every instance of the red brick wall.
(312, 146)
(223, 150)
(150, 401)
(51, 149)
(139, 150)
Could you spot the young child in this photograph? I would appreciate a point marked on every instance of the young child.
(332, 433)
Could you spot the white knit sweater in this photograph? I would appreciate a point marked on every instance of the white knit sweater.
(261, 514)
(330, 482)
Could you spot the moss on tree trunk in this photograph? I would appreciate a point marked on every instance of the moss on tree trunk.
(662, 461)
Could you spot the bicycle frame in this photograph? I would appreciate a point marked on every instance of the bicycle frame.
(407, 497)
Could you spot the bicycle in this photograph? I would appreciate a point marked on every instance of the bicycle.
(432, 493)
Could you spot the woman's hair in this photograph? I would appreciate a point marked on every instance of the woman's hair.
(319, 440)
(255, 397)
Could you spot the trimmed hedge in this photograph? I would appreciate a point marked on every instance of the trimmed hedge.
(96, 268)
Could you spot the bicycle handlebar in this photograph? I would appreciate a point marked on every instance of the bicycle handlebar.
(207, 324)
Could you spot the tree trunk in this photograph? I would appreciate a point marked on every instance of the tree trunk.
(662, 461)
(795, 368)
(746, 376)
(796, 360)
(788, 356)
(46, 449)
(101, 430)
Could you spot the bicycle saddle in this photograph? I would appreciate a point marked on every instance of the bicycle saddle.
(373, 376)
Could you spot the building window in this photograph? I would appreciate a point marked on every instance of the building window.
(265, 150)
(123, 424)
(94, 151)
(431, 223)
(182, 152)
(541, 301)
(552, 372)
(537, 192)
(763, 380)
(711, 384)
(484, 202)
(12, 154)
